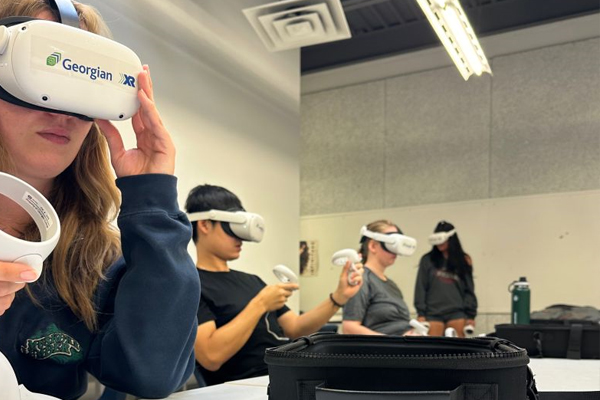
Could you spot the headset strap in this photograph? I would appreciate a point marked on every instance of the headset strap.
(67, 13)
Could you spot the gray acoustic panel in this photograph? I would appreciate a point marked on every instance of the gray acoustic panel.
(341, 157)
(546, 120)
(437, 138)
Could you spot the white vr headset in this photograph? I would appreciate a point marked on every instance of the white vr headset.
(440, 237)
(238, 224)
(58, 68)
(396, 243)
(13, 249)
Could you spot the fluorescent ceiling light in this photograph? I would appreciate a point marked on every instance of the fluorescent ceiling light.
(454, 30)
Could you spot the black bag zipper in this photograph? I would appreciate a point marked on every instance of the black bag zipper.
(486, 352)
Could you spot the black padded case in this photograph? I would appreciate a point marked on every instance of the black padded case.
(331, 367)
(555, 339)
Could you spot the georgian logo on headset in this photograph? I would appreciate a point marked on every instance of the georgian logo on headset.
(393, 242)
(59, 68)
(440, 237)
(238, 224)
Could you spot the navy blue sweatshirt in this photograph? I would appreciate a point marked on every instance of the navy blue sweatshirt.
(146, 307)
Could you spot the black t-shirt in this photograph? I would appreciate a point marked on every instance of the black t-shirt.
(224, 295)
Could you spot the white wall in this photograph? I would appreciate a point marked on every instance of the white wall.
(551, 239)
(231, 107)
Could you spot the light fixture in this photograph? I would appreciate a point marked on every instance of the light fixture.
(449, 21)
(290, 24)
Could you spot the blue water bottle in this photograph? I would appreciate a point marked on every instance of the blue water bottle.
(521, 298)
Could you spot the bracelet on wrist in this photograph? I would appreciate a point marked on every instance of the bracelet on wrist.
(335, 303)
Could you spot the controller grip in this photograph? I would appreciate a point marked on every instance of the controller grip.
(284, 274)
(341, 257)
(419, 327)
(469, 330)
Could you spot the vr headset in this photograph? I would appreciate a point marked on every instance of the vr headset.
(13, 249)
(394, 242)
(238, 224)
(59, 68)
(440, 237)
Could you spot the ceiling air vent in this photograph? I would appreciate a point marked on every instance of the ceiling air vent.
(290, 24)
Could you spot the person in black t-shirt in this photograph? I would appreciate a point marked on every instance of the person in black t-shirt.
(239, 316)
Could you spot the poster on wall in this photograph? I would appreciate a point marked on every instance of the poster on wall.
(309, 258)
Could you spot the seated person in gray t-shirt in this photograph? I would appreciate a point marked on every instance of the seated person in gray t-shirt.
(379, 307)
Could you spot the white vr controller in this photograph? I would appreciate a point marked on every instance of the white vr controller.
(284, 274)
(440, 237)
(421, 327)
(450, 332)
(58, 68)
(10, 388)
(13, 249)
(469, 330)
(341, 257)
(240, 224)
(396, 243)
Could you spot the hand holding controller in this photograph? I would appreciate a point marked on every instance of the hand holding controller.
(419, 327)
(16, 250)
(284, 274)
(341, 257)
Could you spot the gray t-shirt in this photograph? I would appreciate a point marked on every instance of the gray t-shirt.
(379, 306)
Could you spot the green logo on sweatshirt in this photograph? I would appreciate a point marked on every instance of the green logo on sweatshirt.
(54, 344)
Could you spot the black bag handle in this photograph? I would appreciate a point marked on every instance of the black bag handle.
(463, 392)
(575, 338)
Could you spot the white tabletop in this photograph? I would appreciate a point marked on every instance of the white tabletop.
(559, 374)
(551, 374)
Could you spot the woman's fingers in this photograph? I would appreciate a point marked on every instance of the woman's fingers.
(10, 274)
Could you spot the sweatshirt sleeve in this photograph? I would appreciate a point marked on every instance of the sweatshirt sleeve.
(421, 286)
(470, 300)
(149, 311)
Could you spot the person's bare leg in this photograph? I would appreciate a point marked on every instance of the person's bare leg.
(458, 325)
(436, 328)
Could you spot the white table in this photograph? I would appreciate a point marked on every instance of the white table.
(551, 374)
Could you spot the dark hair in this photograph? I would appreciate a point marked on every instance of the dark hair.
(210, 197)
(457, 258)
